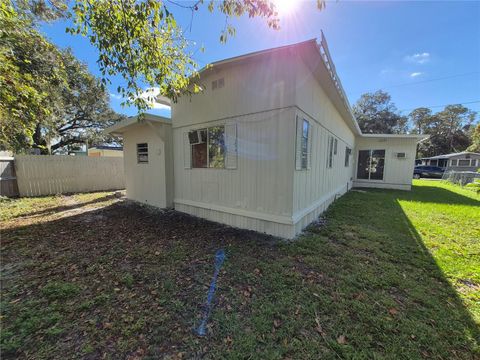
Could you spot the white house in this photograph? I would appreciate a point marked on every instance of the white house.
(462, 161)
(267, 145)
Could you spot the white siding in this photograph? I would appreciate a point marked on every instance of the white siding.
(260, 186)
(398, 173)
(150, 183)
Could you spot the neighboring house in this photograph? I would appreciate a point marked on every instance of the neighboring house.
(105, 150)
(462, 161)
(267, 145)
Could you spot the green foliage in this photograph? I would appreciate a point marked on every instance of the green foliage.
(60, 290)
(377, 114)
(448, 130)
(48, 99)
(30, 73)
(475, 146)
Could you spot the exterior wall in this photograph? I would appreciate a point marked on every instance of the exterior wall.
(257, 194)
(316, 188)
(56, 174)
(398, 173)
(463, 168)
(105, 152)
(251, 87)
(149, 183)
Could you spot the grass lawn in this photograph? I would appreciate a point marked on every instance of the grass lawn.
(389, 274)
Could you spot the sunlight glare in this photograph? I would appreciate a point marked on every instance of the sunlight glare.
(285, 7)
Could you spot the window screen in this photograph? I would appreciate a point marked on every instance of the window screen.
(142, 153)
(208, 147)
(371, 164)
(330, 152)
(304, 145)
(348, 152)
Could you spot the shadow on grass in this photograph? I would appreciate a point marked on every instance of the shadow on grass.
(130, 282)
(61, 208)
(433, 194)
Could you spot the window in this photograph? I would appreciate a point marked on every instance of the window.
(474, 162)
(142, 153)
(335, 146)
(208, 147)
(330, 152)
(463, 162)
(371, 164)
(303, 134)
(453, 162)
(348, 152)
(304, 145)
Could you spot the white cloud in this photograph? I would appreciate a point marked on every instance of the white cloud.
(115, 96)
(150, 94)
(420, 58)
(416, 74)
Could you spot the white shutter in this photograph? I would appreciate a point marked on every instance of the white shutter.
(231, 145)
(298, 144)
(309, 155)
(187, 152)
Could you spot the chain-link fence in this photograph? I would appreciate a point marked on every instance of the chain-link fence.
(461, 177)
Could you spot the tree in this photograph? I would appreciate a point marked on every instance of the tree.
(29, 76)
(141, 41)
(377, 114)
(448, 130)
(85, 111)
(475, 147)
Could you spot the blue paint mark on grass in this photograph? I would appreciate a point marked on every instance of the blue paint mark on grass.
(219, 259)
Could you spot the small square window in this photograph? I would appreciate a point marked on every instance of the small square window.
(142, 153)
(221, 83)
(453, 162)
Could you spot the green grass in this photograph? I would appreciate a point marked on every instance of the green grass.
(392, 274)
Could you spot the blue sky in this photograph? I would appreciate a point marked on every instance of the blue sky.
(422, 53)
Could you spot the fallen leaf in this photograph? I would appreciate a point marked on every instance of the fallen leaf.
(393, 311)
(277, 323)
(342, 340)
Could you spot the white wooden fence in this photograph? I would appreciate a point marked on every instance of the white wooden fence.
(57, 174)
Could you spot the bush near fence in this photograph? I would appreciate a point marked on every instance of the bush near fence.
(59, 174)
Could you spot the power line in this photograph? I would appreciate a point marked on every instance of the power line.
(437, 106)
(427, 81)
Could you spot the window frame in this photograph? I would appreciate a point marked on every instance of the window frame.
(452, 162)
(348, 153)
(468, 160)
(305, 145)
(207, 142)
(143, 152)
(370, 152)
(330, 152)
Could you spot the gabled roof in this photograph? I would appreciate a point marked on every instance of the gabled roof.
(448, 156)
(123, 125)
(317, 56)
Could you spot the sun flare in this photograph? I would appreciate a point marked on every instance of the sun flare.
(285, 7)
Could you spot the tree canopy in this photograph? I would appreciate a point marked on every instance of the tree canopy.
(377, 114)
(48, 99)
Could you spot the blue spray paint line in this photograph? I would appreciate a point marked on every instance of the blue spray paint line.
(219, 259)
